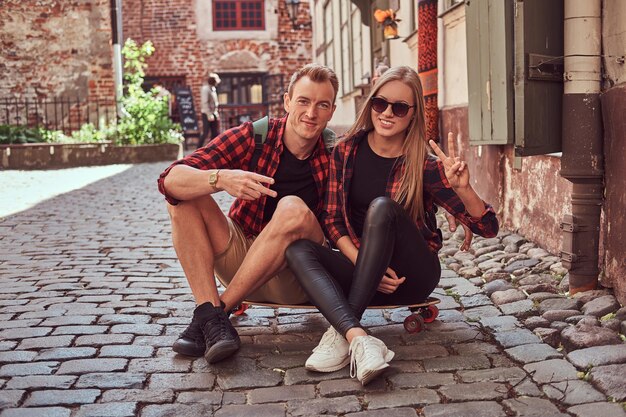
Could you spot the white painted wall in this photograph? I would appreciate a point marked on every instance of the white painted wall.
(453, 59)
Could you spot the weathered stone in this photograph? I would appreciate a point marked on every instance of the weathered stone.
(40, 381)
(559, 315)
(612, 324)
(511, 338)
(472, 408)
(66, 353)
(559, 304)
(514, 239)
(65, 397)
(11, 398)
(317, 406)
(401, 398)
(179, 381)
(559, 325)
(32, 368)
(533, 353)
(493, 276)
(610, 380)
(126, 409)
(395, 412)
(37, 412)
(111, 380)
(512, 375)
(532, 323)
(496, 285)
(507, 296)
(551, 370)
(536, 279)
(469, 271)
(475, 301)
(572, 392)
(601, 306)
(474, 391)
(538, 297)
(518, 265)
(453, 363)
(597, 356)
(550, 336)
(418, 380)
(522, 308)
(158, 396)
(533, 407)
(535, 288)
(84, 366)
(621, 314)
(203, 410)
(501, 323)
(586, 296)
(281, 394)
(588, 321)
(478, 313)
(598, 409)
(584, 336)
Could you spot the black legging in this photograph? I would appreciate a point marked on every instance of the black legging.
(390, 238)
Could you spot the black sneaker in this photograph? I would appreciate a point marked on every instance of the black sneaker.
(191, 341)
(220, 336)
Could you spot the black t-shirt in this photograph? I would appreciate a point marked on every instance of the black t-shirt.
(293, 177)
(369, 180)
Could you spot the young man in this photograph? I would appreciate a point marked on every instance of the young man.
(209, 107)
(277, 203)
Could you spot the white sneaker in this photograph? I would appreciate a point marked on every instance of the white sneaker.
(331, 354)
(368, 358)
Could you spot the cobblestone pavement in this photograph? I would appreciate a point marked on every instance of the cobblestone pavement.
(92, 297)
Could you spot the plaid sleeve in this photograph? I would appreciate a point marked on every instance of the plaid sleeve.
(332, 218)
(436, 184)
(226, 151)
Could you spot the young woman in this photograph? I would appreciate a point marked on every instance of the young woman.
(379, 213)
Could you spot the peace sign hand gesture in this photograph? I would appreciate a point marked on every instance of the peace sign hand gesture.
(456, 170)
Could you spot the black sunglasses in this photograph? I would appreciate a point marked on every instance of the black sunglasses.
(399, 108)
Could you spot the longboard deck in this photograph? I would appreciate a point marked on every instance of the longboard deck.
(429, 302)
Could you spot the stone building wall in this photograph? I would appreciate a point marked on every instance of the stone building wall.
(187, 46)
(52, 49)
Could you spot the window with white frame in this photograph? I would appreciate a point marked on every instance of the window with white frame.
(357, 47)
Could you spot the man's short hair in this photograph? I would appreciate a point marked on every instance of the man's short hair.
(317, 73)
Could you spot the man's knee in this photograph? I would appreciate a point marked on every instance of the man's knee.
(184, 209)
(292, 212)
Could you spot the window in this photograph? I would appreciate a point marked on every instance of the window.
(448, 4)
(238, 15)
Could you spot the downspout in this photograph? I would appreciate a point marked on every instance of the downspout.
(117, 37)
(582, 162)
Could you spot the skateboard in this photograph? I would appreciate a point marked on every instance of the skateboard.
(421, 313)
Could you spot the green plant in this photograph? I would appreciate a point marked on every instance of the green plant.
(145, 119)
(20, 134)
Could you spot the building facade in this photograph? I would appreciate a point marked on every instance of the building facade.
(253, 45)
(502, 87)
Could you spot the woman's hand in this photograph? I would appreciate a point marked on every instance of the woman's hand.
(456, 170)
(390, 282)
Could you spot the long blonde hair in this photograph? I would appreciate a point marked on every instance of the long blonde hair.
(414, 148)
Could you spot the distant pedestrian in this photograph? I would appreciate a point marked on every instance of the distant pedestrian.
(209, 108)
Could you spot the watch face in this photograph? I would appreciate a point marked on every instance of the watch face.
(212, 178)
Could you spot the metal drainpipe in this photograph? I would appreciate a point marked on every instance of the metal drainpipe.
(582, 162)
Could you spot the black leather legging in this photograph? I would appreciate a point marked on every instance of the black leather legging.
(342, 291)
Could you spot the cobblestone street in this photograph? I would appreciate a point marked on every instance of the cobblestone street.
(92, 297)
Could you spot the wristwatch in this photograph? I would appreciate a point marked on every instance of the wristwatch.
(213, 177)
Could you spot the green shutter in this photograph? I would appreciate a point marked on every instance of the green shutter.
(489, 29)
(538, 91)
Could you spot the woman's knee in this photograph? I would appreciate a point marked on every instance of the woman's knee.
(298, 249)
(382, 209)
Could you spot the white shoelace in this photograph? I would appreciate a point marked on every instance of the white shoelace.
(328, 339)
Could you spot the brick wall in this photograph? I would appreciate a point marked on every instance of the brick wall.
(186, 46)
(50, 49)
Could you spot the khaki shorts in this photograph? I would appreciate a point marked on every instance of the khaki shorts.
(283, 288)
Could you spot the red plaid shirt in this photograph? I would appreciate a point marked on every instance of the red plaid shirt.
(233, 149)
(437, 190)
